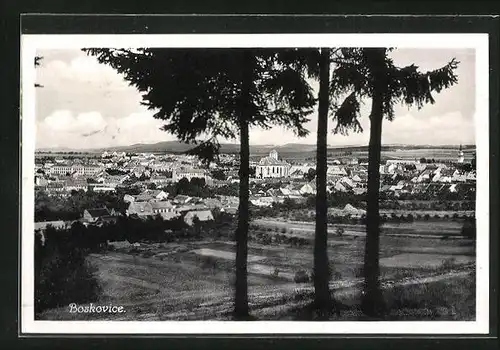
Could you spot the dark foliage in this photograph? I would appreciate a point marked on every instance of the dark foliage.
(62, 274)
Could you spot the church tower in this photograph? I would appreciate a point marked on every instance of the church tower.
(273, 154)
(460, 155)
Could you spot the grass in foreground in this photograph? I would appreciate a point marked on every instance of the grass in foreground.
(448, 300)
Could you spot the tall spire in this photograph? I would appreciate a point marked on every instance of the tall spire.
(460, 155)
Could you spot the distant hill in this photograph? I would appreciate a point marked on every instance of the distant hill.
(180, 147)
(290, 148)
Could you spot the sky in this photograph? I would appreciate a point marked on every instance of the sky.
(84, 104)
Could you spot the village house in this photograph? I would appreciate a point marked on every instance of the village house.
(141, 209)
(55, 187)
(203, 216)
(273, 192)
(308, 188)
(190, 207)
(128, 198)
(471, 176)
(182, 199)
(297, 174)
(290, 191)
(103, 187)
(160, 179)
(459, 176)
(41, 181)
(213, 203)
(157, 195)
(336, 170)
(93, 215)
(262, 201)
(71, 184)
(162, 207)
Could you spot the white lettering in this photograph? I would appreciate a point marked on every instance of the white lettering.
(92, 308)
(72, 308)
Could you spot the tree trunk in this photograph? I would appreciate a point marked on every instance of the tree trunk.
(372, 303)
(322, 299)
(241, 287)
(241, 311)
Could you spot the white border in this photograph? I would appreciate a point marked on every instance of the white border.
(31, 43)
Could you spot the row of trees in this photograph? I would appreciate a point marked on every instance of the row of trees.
(196, 187)
(225, 92)
(50, 208)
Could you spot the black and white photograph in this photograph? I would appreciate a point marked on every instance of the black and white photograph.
(338, 182)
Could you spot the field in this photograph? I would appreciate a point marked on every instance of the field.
(193, 280)
(431, 228)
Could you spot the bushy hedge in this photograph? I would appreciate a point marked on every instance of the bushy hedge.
(62, 274)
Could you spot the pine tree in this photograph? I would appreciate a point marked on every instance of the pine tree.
(371, 73)
(219, 93)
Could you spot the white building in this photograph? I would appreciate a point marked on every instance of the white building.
(81, 170)
(178, 174)
(272, 167)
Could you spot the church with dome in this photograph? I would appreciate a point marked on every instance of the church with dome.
(272, 167)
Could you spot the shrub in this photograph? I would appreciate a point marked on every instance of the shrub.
(331, 274)
(448, 263)
(358, 272)
(63, 276)
(208, 262)
(301, 277)
(336, 276)
(340, 231)
(469, 229)
(147, 254)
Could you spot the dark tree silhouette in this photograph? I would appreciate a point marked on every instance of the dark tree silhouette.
(310, 175)
(371, 73)
(345, 114)
(220, 93)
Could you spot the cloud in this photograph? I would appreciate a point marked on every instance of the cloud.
(87, 104)
(81, 69)
(91, 130)
(65, 121)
